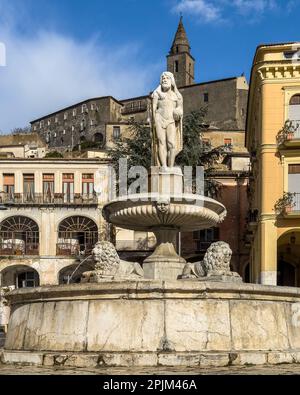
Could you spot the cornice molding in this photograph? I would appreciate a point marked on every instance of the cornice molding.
(279, 72)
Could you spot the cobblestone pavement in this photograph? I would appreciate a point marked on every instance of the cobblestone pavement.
(284, 369)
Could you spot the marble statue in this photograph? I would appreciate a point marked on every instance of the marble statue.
(167, 113)
(108, 265)
(216, 263)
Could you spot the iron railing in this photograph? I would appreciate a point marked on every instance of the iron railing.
(73, 249)
(48, 199)
(296, 130)
(296, 202)
(76, 243)
(21, 243)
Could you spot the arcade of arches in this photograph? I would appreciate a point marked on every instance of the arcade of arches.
(20, 237)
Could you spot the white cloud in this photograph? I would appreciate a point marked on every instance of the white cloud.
(47, 71)
(246, 7)
(223, 10)
(202, 8)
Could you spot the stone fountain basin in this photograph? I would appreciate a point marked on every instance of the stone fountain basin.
(186, 212)
(153, 323)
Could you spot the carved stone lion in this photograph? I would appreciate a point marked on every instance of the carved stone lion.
(108, 265)
(217, 258)
(216, 262)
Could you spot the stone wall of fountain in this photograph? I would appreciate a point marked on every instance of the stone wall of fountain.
(154, 323)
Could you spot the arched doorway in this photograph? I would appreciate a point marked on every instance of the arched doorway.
(288, 259)
(77, 235)
(19, 235)
(20, 276)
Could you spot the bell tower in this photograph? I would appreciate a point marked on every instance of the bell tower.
(180, 61)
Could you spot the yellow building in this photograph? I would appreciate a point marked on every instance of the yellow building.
(273, 140)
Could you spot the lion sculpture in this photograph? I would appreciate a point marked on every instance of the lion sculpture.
(216, 262)
(108, 265)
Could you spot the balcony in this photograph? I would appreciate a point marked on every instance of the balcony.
(289, 135)
(288, 205)
(56, 199)
(293, 210)
(73, 248)
(19, 247)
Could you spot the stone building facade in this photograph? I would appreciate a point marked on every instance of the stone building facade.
(99, 120)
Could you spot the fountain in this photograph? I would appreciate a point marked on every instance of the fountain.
(170, 312)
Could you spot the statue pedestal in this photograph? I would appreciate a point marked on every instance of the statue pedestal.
(164, 264)
(166, 181)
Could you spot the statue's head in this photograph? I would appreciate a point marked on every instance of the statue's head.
(218, 257)
(167, 81)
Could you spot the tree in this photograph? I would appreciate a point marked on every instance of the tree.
(137, 147)
(54, 154)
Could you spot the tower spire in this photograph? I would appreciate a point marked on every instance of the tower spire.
(180, 42)
(180, 61)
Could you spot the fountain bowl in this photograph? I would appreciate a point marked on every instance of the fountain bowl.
(145, 212)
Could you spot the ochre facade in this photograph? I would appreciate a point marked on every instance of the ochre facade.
(273, 142)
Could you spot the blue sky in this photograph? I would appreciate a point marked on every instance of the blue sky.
(63, 51)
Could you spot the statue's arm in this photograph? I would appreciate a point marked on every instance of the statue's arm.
(178, 112)
(154, 103)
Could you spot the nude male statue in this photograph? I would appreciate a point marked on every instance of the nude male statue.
(167, 108)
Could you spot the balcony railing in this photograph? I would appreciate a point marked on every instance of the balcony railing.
(76, 243)
(54, 199)
(289, 132)
(146, 244)
(18, 247)
(73, 249)
(296, 130)
(296, 203)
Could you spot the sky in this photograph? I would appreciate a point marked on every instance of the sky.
(59, 52)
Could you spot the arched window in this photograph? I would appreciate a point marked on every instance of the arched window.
(294, 108)
(77, 235)
(294, 114)
(295, 100)
(19, 235)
